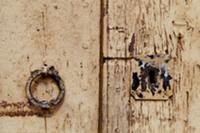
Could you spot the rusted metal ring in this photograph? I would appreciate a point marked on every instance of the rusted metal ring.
(43, 73)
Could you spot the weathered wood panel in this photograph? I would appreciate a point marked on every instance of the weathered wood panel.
(116, 104)
(58, 33)
(142, 27)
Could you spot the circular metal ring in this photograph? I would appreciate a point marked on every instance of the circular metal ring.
(38, 74)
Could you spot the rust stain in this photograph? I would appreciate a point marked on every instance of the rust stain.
(4, 104)
(20, 109)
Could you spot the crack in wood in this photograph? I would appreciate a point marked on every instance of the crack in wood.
(44, 30)
(117, 58)
(101, 60)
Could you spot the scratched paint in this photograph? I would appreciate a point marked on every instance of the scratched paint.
(159, 27)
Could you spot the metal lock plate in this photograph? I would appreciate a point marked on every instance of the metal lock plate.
(153, 80)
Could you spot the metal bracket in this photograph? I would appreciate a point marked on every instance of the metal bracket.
(153, 80)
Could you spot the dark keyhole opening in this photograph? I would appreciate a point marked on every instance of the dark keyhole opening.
(152, 76)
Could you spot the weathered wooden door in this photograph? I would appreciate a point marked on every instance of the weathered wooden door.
(64, 34)
(92, 44)
(142, 27)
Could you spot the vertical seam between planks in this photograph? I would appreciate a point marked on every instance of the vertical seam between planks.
(101, 40)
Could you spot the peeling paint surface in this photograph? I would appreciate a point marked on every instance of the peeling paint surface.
(152, 27)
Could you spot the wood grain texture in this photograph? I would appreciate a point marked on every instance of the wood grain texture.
(116, 104)
(152, 27)
(66, 34)
(58, 33)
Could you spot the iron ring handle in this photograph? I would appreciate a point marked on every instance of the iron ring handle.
(36, 75)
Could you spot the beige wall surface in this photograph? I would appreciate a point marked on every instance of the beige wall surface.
(63, 33)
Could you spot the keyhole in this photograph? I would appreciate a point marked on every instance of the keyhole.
(152, 76)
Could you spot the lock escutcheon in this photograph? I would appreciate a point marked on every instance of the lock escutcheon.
(153, 80)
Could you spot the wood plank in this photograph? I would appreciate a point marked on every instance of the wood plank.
(75, 48)
(58, 33)
(143, 116)
(19, 41)
(157, 27)
(149, 22)
(116, 104)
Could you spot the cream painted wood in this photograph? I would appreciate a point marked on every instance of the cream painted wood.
(58, 33)
(151, 27)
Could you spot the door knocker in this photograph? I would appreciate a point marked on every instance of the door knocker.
(36, 75)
